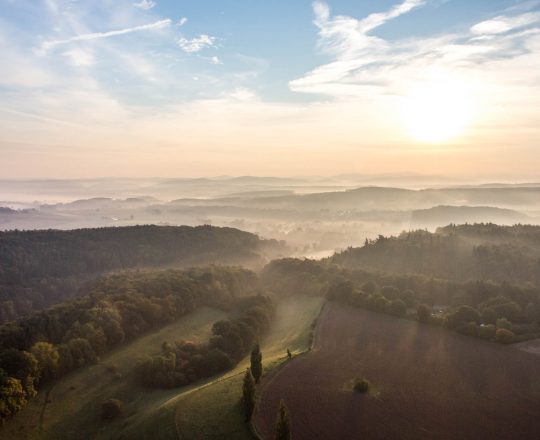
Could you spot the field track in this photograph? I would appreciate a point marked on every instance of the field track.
(429, 383)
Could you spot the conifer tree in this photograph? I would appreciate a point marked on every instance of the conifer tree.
(283, 424)
(256, 363)
(248, 395)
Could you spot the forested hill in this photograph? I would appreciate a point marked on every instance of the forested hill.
(42, 268)
(460, 253)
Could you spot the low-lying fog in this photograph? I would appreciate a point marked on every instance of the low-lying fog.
(315, 216)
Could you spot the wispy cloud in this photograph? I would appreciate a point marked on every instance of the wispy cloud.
(47, 45)
(502, 24)
(182, 21)
(145, 4)
(196, 44)
(341, 34)
(375, 20)
(367, 65)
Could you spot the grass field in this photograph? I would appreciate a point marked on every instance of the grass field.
(213, 411)
(205, 410)
(73, 411)
(428, 383)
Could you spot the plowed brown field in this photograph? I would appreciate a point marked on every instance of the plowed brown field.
(429, 383)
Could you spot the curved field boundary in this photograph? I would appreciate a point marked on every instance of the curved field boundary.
(428, 383)
(212, 410)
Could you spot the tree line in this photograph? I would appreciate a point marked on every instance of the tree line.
(494, 311)
(42, 268)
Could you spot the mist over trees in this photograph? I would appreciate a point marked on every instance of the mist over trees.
(42, 268)
(459, 253)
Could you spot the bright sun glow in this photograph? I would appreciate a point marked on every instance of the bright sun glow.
(437, 112)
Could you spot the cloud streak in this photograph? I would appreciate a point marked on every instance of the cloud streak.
(161, 24)
(502, 24)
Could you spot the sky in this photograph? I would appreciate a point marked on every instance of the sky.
(140, 88)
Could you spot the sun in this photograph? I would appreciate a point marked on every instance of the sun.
(437, 112)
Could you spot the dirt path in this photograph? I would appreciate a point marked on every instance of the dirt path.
(428, 384)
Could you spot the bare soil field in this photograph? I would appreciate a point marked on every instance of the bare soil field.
(427, 383)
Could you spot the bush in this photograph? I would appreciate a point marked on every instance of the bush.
(503, 323)
(469, 329)
(111, 409)
(462, 316)
(504, 336)
(487, 331)
(361, 386)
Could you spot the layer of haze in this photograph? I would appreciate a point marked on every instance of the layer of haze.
(119, 88)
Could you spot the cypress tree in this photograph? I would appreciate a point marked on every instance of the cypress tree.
(248, 395)
(283, 424)
(256, 363)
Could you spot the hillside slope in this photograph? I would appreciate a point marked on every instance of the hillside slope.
(70, 409)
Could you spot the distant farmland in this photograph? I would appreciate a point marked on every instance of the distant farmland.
(428, 383)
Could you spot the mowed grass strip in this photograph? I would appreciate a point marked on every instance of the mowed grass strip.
(74, 402)
(213, 411)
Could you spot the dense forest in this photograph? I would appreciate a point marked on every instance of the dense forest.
(42, 268)
(459, 253)
(116, 309)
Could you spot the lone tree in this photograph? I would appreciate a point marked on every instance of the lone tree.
(111, 409)
(256, 363)
(289, 354)
(248, 395)
(361, 386)
(283, 424)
